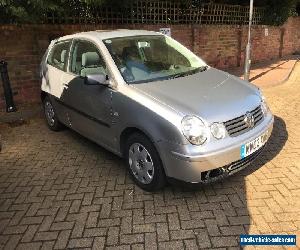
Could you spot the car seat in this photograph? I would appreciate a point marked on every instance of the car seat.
(91, 64)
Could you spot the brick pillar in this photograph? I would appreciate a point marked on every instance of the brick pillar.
(239, 49)
(282, 31)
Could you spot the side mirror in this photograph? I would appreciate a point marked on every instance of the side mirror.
(97, 79)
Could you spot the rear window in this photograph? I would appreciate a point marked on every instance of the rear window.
(59, 55)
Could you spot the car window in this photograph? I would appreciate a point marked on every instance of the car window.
(86, 59)
(59, 55)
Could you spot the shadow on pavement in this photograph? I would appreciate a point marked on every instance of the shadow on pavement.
(266, 71)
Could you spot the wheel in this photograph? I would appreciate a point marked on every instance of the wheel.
(50, 115)
(144, 163)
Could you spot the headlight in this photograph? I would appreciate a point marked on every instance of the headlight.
(264, 106)
(218, 130)
(194, 130)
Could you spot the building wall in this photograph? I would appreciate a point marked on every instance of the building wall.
(220, 46)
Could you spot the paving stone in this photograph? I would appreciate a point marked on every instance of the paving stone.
(182, 234)
(162, 232)
(150, 241)
(80, 243)
(99, 243)
(171, 245)
(30, 245)
(113, 236)
(30, 232)
(41, 236)
(131, 238)
(224, 241)
(62, 239)
(203, 238)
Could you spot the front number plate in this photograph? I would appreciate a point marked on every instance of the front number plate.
(252, 146)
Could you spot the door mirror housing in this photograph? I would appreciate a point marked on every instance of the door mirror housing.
(97, 79)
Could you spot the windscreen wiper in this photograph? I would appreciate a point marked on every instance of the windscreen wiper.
(181, 74)
(177, 76)
(202, 68)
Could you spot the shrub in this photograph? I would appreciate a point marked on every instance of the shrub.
(277, 12)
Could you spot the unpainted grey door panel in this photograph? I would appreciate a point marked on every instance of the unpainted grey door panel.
(89, 108)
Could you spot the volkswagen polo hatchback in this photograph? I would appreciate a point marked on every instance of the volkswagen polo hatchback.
(147, 98)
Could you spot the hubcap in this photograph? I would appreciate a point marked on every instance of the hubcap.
(141, 163)
(49, 112)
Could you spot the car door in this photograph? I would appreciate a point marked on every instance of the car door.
(56, 70)
(89, 106)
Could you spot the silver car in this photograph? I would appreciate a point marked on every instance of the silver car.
(147, 98)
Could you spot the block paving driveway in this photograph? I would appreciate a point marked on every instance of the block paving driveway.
(59, 190)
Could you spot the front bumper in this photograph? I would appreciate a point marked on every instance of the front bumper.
(182, 162)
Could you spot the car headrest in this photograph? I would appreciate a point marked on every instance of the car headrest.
(63, 55)
(90, 58)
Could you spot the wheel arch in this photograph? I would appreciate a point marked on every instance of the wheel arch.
(43, 95)
(129, 131)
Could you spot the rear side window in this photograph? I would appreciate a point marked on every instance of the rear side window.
(59, 55)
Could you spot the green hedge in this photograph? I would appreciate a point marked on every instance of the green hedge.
(34, 11)
(277, 12)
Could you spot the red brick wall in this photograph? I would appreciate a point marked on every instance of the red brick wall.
(220, 46)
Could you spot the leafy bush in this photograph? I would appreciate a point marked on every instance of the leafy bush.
(13, 11)
(35, 11)
(277, 12)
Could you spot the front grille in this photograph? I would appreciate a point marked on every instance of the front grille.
(235, 166)
(237, 126)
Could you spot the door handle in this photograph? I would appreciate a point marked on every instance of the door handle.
(66, 85)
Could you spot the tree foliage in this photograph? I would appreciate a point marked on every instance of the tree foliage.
(277, 12)
(25, 11)
(34, 11)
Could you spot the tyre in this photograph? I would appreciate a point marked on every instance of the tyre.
(144, 163)
(50, 115)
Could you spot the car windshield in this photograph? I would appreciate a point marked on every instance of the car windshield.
(151, 58)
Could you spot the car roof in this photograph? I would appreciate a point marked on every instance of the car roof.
(106, 34)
